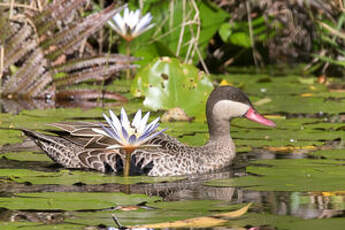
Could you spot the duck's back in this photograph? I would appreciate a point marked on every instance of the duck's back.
(172, 158)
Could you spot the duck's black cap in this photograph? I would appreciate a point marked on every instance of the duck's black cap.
(227, 93)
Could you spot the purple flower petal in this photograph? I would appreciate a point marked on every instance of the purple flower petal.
(110, 132)
(151, 128)
(143, 139)
(124, 133)
(157, 133)
(132, 139)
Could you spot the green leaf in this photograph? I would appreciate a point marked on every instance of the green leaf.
(290, 175)
(336, 154)
(167, 83)
(67, 177)
(240, 39)
(168, 28)
(71, 200)
(225, 32)
(288, 222)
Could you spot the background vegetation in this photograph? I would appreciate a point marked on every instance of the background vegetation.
(52, 49)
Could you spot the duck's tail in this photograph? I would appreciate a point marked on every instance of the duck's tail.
(57, 148)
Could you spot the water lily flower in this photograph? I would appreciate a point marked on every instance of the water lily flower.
(131, 24)
(130, 135)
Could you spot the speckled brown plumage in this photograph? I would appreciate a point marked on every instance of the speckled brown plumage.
(171, 159)
(79, 147)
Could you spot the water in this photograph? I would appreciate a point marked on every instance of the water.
(293, 174)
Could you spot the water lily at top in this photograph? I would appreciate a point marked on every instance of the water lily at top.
(130, 135)
(131, 24)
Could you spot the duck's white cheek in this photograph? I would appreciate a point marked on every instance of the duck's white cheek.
(226, 109)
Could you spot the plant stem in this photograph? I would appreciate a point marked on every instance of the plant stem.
(127, 167)
(128, 53)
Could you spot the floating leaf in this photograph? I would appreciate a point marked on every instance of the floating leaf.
(337, 154)
(167, 83)
(71, 200)
(199, 222)
(266, 220)
(67, 177)
(289, 148)
(236, 213)
(263, 101)
(290, 175)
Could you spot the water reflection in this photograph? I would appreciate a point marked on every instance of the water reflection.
(306, 205)
(16, 106)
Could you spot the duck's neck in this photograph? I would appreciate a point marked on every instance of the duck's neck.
(219, 130)
(220, 144)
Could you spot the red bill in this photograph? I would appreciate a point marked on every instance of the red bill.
(255, 116)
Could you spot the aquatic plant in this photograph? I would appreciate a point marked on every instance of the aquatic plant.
(131, 24)
(256, 26)
(166, 83)
(183, 30)
(47, 50)
(129, 135)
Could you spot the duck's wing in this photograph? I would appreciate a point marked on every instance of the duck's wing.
(81, 133)
(71, 152)
(78, 146)
(74, 155)
(78, 128)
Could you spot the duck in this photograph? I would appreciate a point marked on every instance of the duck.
(72, 147)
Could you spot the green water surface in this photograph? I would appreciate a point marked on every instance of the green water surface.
(294, 174)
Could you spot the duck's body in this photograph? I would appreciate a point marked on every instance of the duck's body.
(79, 147)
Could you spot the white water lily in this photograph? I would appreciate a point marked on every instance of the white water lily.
(130, 135)
(131, 24)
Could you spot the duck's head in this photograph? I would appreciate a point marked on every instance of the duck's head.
(227, 102)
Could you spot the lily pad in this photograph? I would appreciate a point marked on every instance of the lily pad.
(9, 136)
(287, 94)
(320, 178)
(68, 177)
(36, 226)
(161, 212)
(39, 119)
(290, 175)
(71, 200)
(286, 222)
(200, 222)
(167, 83)
(26, 156)
(336, 154)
